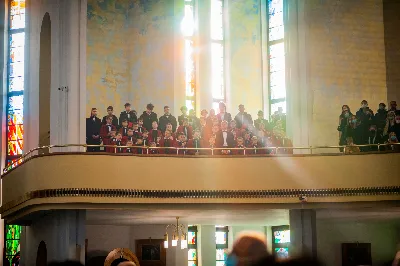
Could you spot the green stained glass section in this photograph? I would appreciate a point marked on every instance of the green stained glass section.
(13, 232)
(13, 236)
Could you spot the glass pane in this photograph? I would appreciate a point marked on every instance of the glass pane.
(275, 6)
(217, 68)
(190, 78)
(277, 50)
(15, 147)
(190, 104)
(17, 39)
(282, 236)
(192, 254)
(187, 25)
(282, 253)
(15, 118)
(16, 54)
(15, 103)
(12, 247)
(220, 263)
(277, 79)
(276, 33)
(191, 236)
(222, 254)
(276, 20)
(192, 263)
(215, 106)
(217, 31)
(16, 84)
(15, 132)
(275, 107)
(13, 232)
(278, 92)
(220, 238)
(277, 64)
(17, 69)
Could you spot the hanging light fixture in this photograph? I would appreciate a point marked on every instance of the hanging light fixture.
(178, 234)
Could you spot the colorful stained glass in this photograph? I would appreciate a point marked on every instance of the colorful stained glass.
(220, 238)
(13, 232)
(217, 29)
(275, 6)
(192, 254)
(15, 103)
(15, 118)
(192, 263)
(15, 147)
(16, 84)
(189, 104)
(189, 68)
(282, 236)
(15, 132)
(17, 14)
(276, 20)
(220, 263)
(16, 54)
(222, 254)
(282, 253)
(12, 245)
(191, 238)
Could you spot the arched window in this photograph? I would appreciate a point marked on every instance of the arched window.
(187, 27)
(15, 81)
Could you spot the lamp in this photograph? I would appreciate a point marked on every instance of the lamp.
(178, 234)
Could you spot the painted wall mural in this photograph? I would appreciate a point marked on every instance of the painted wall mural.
(130, 49)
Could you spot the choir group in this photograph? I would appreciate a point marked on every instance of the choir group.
(148, 134)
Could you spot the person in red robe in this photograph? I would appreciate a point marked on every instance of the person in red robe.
(124, 129)
(153, 151)
(239, 145)
(186, 129)
(105, 131)
(110, 140)
(167, 141)
(129, 149)
(195, 143)
(141, 128)
(154, 134)
(118, 142)
(181, 144)
(136, 133)
(225, 138)
(130, 136)
(254, 147)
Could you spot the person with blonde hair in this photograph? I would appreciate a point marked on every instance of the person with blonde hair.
(248, 248)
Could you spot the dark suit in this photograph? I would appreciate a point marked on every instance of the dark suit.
(148, 119)
(93, 127)
(114, 120)
(258, 121)
(227, 117)
(230, 139)
(164, 120)
(243, 120)
(181, 118)
(131, 117)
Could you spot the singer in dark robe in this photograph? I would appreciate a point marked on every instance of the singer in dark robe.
(166, 119)
(93, 127)
(106, 129)
(195, 143)
(149, 116)
(223, 115)
(186, 129)
(128, 114)
(243, 119)
(114, 120)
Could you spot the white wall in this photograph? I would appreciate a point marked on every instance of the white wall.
(108, 237)
(383, 236)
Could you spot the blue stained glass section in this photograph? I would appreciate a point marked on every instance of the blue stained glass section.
(15, 103)
(275, 6)
(17, 69)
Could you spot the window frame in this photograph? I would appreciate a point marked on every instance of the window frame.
(193, 228)
(191, 38)
(279, 245)
(221, 246)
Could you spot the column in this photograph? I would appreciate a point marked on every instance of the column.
(207, 245)
(303, 233)
(62, 231)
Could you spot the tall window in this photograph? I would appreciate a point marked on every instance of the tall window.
(13, 236)
(281, 241)
(276, 55)
(187, 26)
(221, 241)
(15, 88)
(192, 246)
(217, 52)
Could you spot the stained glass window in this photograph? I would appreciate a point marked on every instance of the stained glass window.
(221, 241)
(281, 241)
(192, 246)
(217, 51)
(13, 236)
(276, 56)
(15, 96)
(188, 28)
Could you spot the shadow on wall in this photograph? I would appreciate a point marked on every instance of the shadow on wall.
(41, 257)
(96, 257)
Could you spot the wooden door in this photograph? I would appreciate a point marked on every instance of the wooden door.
(151, 252)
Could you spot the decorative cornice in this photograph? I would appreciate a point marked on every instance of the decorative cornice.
(201, 194)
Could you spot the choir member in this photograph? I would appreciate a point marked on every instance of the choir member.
(112, 139)
(145, 138)
(149, 116)
(225, 139)
(170, 129)
(167, 141)
(167, 118)
(136, 131)
(118, 142)
(186, 129)
(194, 122)
(237, 132)
(203, 114)
(255, 146)
(128, 114)
(130, 136)
(155, 134)
(260, 120)
(239, 145)
(129, 149)
(105, 131)
(195, 142)
(93, 127)
(183, 116)
(153, 151)
(124, 128)
(243, 119)
(223, 115)
(141, 127)
(114, 121)
(247, 138)
(181, 143)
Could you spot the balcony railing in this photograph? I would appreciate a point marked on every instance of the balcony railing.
(174, 151)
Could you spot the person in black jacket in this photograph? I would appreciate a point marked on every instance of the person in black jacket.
(364, 118)
(149, 117)
(183, 116)
(380, 120)
(93, 126)
(223, 115)
(165, 119)
(194, 122)
(128, 114)
(110, 110)
(243, 119)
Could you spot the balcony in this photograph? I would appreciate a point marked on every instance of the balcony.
(74, 179)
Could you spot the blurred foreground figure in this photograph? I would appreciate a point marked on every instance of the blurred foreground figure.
(291, 262)
(122, 262)
(65, 263)
(248, 248)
